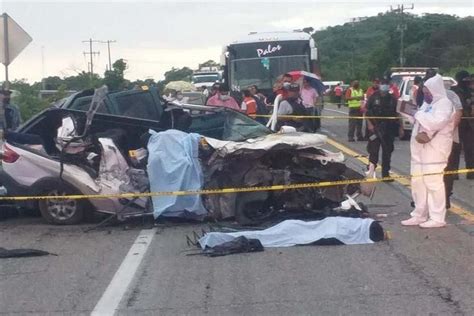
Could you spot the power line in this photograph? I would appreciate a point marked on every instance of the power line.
(92, 54)
(401, 27)
(108, 42)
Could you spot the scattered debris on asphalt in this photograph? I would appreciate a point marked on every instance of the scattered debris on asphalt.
(23, 253)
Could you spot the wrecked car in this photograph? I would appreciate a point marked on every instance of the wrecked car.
(69, 151)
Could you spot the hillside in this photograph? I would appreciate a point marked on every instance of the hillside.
(366, 49)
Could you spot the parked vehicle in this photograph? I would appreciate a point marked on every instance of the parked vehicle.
(260, 57)
(405, 85)
(67, 150)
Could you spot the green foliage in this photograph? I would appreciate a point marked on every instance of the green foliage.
(209, 63)
(366, 49)
(28, 99)
(177, 74)
(114, 79)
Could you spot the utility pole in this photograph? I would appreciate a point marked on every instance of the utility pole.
(402, 27)
(108, 50)
(91, 53)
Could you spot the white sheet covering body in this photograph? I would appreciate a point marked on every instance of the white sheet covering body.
(350, 231)
(173, 165)
(438, 117)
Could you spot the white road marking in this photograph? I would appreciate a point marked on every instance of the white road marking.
(117, 288)
(337, 111)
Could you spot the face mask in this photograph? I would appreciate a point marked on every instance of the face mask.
(428, 98)
(224, 97)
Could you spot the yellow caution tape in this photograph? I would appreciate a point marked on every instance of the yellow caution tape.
(338, 117)
(229, 190)
(344, 117)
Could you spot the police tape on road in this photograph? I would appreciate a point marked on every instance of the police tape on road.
(231, 190)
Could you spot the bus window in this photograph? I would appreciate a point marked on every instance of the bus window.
(264, 71)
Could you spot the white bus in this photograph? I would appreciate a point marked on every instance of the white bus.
(259, 58)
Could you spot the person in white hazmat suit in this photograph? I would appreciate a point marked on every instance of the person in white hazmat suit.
(436, 118)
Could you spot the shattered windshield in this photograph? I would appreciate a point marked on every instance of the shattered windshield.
(226, 124)
(239, 127)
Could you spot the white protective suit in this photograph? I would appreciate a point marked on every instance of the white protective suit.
(438, 117)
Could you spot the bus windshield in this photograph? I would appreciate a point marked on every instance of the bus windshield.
(205, 78)
(263, 72)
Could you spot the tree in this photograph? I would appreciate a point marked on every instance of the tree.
(28, 99)
(114, 79)
(177, 74)
(370, 47)
(209, 63)
(52, 83)
(308, 30)
(83, 81)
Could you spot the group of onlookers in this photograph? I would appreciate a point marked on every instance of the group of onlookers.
(295, 100)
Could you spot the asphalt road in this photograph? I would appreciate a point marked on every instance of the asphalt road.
(417, 272)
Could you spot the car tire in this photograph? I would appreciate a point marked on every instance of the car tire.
(59, 211)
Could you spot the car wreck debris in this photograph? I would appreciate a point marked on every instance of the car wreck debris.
(22, 253)
(183, 148)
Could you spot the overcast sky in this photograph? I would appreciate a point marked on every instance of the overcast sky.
(154, 36)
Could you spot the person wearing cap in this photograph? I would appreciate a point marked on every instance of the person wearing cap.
(466, 127)
(354, 96)
(430, 147)
(292, 105)
(223, 98)
(382, 132)
(12, 113)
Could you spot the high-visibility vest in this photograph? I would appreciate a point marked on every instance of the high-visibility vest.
(355, 93)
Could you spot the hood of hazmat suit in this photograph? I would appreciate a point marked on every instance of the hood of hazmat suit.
(437, 120)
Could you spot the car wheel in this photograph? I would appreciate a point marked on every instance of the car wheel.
(61, 211)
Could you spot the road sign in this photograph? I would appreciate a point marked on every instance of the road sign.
(13, 39)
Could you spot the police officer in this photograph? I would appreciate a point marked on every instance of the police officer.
(292, 105)
(466, 127)
(382, 132)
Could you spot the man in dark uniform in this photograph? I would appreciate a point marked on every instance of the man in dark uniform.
(382, 132)
(466, 127)
(292, 105)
